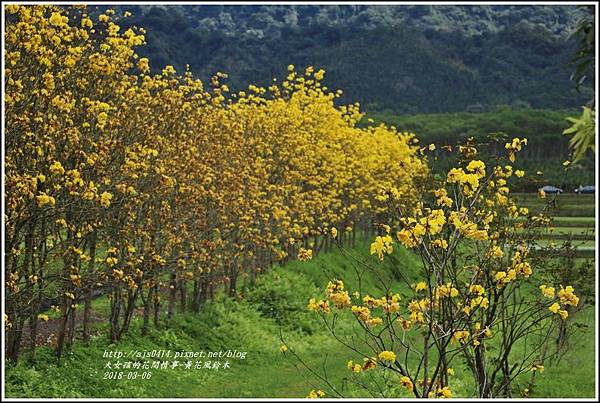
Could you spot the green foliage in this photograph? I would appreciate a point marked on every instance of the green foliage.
(545, 152)
(583, 131)
(586, 47)
(255, 20)
(541, 126)
(283, 295)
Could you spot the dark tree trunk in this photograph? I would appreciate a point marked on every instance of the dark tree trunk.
(87, 310)
(183, 295)
(115, 313)
(172, 296)
(147, 308)
(156, 300)
(195, 306)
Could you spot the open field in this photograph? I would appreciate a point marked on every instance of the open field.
(573, 219)
(567, 205)
(253, 325)
(568, 233)
(587, 222)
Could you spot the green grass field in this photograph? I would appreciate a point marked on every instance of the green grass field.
(571, 230)
(576, 244)
(277, 305)
(568, 230)
(577, 207)
(573, 218)
(588, 222)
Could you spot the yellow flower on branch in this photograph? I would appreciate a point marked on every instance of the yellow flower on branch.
(57, 168)
(554, 308)
(405, 382)
(515, 146)
(421, 286)
(318, 305)
(315, 394)
(381, 246)
(305, 254)
(334, 232)
(537, 367)
(548, 292)
(388, 356)
(105, 199)
(567, 296)
(44, 199)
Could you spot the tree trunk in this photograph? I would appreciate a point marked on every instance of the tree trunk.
(483, 385)
(172, 296)
(233, 274)
(87, 310)
(183, 295)
(195, 306)
(62, 330)
(14, 346)
(115, 312)
(147, 307)
(71, 330)
(129, 310)
(156, 300)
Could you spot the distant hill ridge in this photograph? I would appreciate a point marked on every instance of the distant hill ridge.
(470, 20)
(401, 59)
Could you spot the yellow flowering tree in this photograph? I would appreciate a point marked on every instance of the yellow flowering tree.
(156, 190)
(479, 300)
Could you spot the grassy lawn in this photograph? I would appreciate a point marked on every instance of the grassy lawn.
(575, 244)
(561, 198)
(573, 218)
(575, 221)
(572, 230)
(586, 221)
(572, 207)
(566, 231)
(560, 234)
(276, 306)
(575, 211)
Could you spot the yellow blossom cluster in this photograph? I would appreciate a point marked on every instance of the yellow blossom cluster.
(305, 254)
(103, 148)
(382, 245)
(442, 393)
(387, 356)
(337, 295)
(515, 145)
(316, 394)
(318, 305)
(519, 266)
(566, 296)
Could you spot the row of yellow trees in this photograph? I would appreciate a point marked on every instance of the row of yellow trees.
(154, 188)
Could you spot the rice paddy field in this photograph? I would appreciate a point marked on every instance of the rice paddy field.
(573, 220)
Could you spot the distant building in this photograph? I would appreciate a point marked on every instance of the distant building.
(474, 108)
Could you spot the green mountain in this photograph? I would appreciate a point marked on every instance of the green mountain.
(400, 59)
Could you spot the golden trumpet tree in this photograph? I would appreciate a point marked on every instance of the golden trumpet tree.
(154, 188)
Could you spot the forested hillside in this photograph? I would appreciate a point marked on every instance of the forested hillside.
(414, 59)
